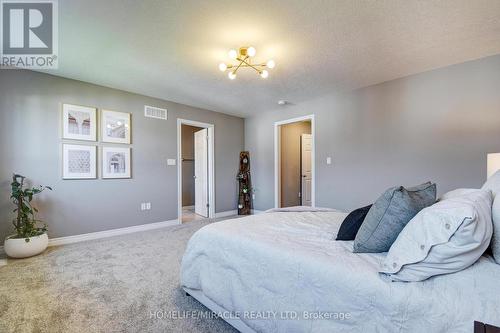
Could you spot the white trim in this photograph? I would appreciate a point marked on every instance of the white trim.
(226, 213)
(277, 166)
(211, 165)
(235, 212)
(236, 323)
(110, 233)
(187, 207)
(277, 158)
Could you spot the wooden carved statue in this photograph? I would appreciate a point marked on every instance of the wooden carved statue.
(245, 185)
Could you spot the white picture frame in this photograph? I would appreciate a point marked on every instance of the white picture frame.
(115, 126)
(79, 161)
(79, 122)
(116, 162)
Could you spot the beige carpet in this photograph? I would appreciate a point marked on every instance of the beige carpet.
(117, 284)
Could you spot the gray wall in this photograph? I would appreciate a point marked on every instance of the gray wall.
(188, 164)
(31, 145)
(436, 126)
(291, 180)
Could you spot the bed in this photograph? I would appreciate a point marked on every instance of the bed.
(284, 272)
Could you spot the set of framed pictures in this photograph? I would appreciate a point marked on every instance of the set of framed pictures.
(79, 161)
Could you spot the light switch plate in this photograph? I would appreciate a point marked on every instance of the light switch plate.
(171, 161)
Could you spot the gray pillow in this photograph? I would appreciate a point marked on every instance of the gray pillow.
(390, 214)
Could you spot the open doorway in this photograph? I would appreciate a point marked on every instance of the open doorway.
(195, 158)
(294, 162)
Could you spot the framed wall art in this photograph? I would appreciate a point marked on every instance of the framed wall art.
(116, 162)
(79, 161)
(79, 122)
(116, 127)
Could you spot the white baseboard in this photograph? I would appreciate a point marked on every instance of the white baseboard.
(188, 207)
(235, 212)
(111, 233)
(124, 231)
(226, 213)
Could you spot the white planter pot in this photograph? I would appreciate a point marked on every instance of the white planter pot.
(19, 248)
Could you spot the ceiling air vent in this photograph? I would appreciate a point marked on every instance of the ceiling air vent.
(154, 112)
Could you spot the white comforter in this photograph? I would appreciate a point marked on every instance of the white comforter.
(287, 264)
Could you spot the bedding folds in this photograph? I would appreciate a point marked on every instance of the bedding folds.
(288, 265)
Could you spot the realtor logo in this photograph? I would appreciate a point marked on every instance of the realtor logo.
(29, 36)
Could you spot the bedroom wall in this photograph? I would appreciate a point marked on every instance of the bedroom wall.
(31, 145)
(290, 162)
(437, 126)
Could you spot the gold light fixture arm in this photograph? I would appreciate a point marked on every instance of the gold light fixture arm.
(243, 56)
(241, 63)
(253, 66)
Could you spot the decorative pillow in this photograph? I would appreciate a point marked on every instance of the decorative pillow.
(349, 228)
(456, 193)
(389, 215)
(493, 184)
(444, 238)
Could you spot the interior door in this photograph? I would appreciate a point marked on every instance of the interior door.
(306, 168)
(201, 172)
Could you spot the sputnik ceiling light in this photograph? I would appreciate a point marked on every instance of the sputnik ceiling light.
(244, 57)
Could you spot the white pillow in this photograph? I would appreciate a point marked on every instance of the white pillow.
(444, 238)
(456, 193)
(493, 184)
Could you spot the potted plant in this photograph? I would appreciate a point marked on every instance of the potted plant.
(30, 239)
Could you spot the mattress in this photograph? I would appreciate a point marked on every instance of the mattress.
(284, 272)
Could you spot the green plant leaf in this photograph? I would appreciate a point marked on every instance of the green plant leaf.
(25, 222)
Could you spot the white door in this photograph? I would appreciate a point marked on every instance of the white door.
(306, 147)
(201, 172)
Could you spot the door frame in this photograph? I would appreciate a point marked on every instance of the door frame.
(301, 169)
(277, 158)
(211, 165)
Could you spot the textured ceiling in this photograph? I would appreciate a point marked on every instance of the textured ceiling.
(171, 49)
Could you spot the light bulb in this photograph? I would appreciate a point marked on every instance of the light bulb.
(231, 75)
(264, 74)
(222, 67)
(119, 123)
(271, 64)
(233, 54)
(251, 51)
